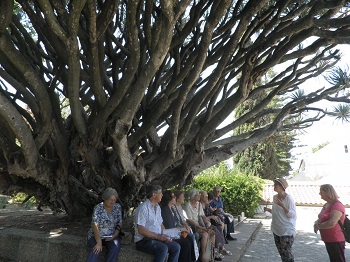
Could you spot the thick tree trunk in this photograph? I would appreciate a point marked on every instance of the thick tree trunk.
(121, 94)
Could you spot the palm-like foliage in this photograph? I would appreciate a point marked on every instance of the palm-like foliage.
(342, 112)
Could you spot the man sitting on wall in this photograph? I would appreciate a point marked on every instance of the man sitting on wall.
(217, 204)
(149, 226)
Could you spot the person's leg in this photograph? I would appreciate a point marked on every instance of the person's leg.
(193, 241)
(230, 225)
(92, 257)
(203, 245)
(154, 247)
(174, 251)
(230, 228)
(185, 251)
(278, 243)
(336, 251)
(113, 249)
(219, 237)
(285, 244)
(221, 228)
(197, 236)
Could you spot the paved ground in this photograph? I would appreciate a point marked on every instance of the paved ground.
(308, 246)
(255, 240)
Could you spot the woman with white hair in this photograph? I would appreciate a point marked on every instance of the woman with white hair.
(194, 211)
(105, 227)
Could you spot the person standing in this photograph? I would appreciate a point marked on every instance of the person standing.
(105, 227)
(283, 220)
(217, 204)
(149, 237)
(327, 224)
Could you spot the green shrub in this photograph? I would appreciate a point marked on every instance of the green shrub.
(18, 198)
(240, 193)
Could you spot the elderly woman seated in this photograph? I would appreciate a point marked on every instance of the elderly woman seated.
(194, 211)
(105, 227)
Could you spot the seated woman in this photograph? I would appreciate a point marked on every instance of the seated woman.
(181, 221)
(105, 227)
(168, 200)
(218, 226)
(193, 210)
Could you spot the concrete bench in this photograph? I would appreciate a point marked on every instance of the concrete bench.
(36, 246)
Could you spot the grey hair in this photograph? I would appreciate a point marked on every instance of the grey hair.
(215, 188)
(109, 192)
(152, 189)
(192, 192)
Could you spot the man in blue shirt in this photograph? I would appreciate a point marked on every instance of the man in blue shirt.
(149, 228)
(217, 204)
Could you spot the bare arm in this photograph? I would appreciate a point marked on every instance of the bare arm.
(98, 247)
(117, 230)
(267, 209)
(96, 233)
(335, 215)
(195, 224)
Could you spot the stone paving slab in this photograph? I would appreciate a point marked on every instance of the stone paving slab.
(245, 232)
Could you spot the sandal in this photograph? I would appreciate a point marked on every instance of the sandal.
(226, 252)
(218, 255)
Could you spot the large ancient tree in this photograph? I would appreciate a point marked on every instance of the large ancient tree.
(98, 93)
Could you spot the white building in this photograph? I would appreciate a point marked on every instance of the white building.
(331, 165)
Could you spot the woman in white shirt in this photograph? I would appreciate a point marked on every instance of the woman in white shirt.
(283, 220)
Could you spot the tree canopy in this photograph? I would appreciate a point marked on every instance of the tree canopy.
(97, 93)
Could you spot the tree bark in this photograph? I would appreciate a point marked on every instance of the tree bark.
(97, 94)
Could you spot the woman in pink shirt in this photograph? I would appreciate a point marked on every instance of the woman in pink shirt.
(327, 224)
